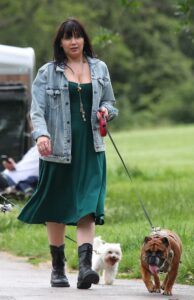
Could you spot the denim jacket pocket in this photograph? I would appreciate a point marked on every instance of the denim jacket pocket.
(54, 97)
(103, 81)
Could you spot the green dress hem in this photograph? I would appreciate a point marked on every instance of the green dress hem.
(99, 220)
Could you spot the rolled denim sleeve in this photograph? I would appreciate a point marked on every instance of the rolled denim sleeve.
(108, 98)
(38, 105)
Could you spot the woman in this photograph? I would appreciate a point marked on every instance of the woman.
(67, 95)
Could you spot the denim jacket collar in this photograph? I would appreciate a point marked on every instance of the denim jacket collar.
(92, 61)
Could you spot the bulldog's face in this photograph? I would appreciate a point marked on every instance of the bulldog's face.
(155, 251)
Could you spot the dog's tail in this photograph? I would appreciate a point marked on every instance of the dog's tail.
(97, 242)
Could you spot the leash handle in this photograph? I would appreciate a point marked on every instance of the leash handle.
(102, 124)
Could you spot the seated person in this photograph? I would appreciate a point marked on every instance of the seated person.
(22, 175)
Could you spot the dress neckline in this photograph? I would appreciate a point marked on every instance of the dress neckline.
(74, 82)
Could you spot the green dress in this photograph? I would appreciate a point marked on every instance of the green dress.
(68, 192)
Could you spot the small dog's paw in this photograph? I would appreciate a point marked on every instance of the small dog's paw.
(108, 282)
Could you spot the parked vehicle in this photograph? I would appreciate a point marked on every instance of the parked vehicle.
(16, 75)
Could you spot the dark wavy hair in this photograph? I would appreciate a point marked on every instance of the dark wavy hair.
(67, 29)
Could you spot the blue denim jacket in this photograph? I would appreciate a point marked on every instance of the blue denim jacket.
(50, 109)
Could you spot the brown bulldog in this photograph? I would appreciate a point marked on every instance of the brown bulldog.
(161, 252)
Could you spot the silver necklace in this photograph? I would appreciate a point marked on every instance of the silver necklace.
(82, 111)
(79, 89)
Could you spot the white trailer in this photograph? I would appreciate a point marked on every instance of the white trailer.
(17, 65)
(16, 75)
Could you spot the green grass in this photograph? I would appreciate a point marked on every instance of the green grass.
(160, 162)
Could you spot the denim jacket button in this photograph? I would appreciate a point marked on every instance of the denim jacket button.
(66, 103)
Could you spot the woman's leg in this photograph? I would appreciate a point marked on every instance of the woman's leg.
(85, 230)
(85, 236)
(56, 233)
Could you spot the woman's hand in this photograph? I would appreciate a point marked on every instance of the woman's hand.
(9, 164)
(44, 145)
(105, 110)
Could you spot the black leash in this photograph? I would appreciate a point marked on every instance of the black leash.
(137, 195)
(67, 237)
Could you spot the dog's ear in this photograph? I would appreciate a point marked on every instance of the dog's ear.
(165, 241)
(147, 239)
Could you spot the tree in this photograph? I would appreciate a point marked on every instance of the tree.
(150, 61)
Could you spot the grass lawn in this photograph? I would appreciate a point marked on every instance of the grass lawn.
(161, 163)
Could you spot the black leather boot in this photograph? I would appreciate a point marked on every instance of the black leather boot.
(86, 275)
(58, 277)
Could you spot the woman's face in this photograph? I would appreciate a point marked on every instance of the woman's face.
(73, 46)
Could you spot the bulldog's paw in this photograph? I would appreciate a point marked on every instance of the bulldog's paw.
(167, 293)
(153, 289)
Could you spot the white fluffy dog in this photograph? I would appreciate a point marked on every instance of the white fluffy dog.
(105, 259)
